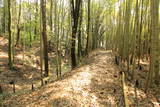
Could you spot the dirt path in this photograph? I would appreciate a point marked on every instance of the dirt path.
(96, 84)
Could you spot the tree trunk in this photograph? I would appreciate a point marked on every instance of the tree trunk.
(4, 16)
(136, 35)
(44, 36)
(79, 33)
(36, 20)
(18, 26)
(41, 44)
(9, 36)
(88, 30)
(51, 16)
(127, 32)
(154, 67)
(75, 7)
(56, 37)
(30, 25)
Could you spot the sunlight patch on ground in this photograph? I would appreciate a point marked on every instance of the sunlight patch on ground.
(3, 41)
(3, 55)
(111, 99)
(26, 59)
(79, 84)
(20, 56)
(85, 80)
(144, 62)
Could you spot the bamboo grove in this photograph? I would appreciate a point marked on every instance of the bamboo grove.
(135, 37)
(73, 28)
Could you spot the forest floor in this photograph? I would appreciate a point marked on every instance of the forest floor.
(96, 83)
(23, 74)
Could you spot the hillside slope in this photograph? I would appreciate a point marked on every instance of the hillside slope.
(95, 84)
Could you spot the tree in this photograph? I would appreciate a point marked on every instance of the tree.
(154, 53)
(44, 36)
(18, 25)
(30, 24)
(75, 8)
(4, 17)
(126, 32)
(88, 29)
(51, 11)
(135, 35)
(9, 37)
(80, 32)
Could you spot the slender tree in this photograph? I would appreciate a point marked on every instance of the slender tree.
(9, 36)
(36, 20)
(30, 24)
(154, 55)
(56, 37)
(18, 25)
(4, 16)
(88, 29)
(126, 32)
(44, 36)
(75, 8)
(51, 15)
(135, 35)
(41, 43)
(80, 32)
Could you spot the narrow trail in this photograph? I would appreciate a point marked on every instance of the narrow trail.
(96, 84)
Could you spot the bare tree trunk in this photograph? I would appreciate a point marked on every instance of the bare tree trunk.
(126, 32)
(36, 20)
(10, 56)
(136, 33)
(140, 34)
(154, 52)
(154, 67)
(56, 37)
(79, 33)
(88, 29)
(41, 44)
(30, 24)
(4, 17)
(18, 26)
(51, 16)
(44, 36)
(75, 7)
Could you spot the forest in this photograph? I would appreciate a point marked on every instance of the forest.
(79, 53)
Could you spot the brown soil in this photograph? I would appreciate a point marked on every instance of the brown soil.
(95, 84)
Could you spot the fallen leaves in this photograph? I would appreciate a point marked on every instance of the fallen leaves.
(97, 84)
